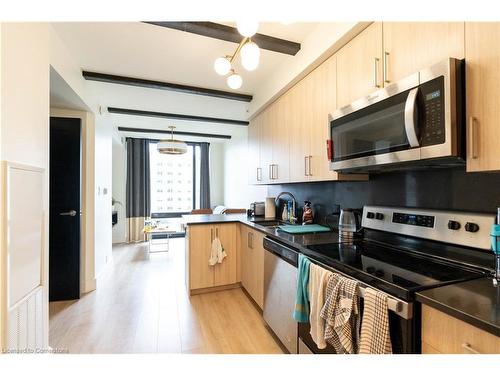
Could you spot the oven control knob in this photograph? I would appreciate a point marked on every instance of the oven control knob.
(370, 269)
(370, 215)
(471, 227)
(453, 225)
(379, 216)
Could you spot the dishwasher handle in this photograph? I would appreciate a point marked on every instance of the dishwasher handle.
(282, 251)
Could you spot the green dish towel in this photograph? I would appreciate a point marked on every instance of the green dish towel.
(301, 312)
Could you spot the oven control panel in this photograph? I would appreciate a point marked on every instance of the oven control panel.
(412, 219)
(432, 117)
(454, 227)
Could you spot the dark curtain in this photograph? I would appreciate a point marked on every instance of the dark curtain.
(205, 175)
(138, 187)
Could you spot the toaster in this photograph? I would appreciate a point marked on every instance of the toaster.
(257, 208)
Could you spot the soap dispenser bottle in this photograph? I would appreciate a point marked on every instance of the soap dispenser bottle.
(284, 215)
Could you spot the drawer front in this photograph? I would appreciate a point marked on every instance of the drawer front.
(445, 334)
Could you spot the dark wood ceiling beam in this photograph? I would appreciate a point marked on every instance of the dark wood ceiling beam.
(231, 34)
(158, 131)
(139, 82)
(175, 116)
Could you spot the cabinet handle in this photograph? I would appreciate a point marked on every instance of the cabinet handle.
(469, 349)
(250, 240)
(309, 165)
(211, 235)
(275, 175)
(375, 72)
(259, 174)
(473, 137)
(217, 232)
(386, 67)
(305, 165)
(270, 171)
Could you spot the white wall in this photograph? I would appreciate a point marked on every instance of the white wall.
(103, 189)
(216, 174)
(119, 191)
(24, 121)
(237, 192)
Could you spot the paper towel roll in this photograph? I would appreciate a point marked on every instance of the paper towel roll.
(270, 209)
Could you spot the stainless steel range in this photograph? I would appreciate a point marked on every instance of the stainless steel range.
(403, 251)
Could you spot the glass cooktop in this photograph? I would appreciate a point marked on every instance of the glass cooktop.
(395, 271)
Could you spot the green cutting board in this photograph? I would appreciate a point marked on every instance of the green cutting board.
(301, 229)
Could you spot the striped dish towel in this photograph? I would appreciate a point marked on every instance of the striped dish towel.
(375, 334)
(341, 314)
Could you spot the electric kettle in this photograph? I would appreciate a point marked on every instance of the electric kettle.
(349, 223)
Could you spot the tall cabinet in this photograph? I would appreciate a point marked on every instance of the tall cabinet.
(482, 53)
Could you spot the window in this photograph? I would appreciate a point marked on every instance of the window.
(174, 179)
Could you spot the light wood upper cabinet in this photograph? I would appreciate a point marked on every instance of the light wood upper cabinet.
(254, 164)
(412, 46)
(266, 144)
(281, 143)
(482, 54)
(300, 121)
(359, 66)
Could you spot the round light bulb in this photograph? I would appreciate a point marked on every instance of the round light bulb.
(250, 55)
(222, 66)
(247, 28)
(234, 81)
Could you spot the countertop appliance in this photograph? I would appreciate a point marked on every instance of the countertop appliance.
(349, 223)
(417, 121)
(403, 251)
(257, 208)
(280, 284)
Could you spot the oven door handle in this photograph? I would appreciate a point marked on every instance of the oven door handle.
(411, 118)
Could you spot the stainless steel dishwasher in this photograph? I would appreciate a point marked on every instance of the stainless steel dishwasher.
(280, 283)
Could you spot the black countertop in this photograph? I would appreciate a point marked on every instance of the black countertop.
(297, 241)
(476, 302)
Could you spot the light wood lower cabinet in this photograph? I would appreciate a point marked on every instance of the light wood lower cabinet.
(252, 263)
(442, 333)
(199, 274)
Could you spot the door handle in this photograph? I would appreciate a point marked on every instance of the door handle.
(375, 71)
(69, 213)
(469, 349)
(309, 158)
(473, 126)
(411, 118)
(386, 64)
(305, 165)
(259, 174)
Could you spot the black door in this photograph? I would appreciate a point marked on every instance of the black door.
(65, 190)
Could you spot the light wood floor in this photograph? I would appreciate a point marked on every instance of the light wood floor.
(142, 306)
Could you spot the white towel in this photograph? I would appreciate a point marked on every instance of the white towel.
(318, 279)
(217, 253)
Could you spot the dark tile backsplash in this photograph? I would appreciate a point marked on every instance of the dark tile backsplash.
(444, 189)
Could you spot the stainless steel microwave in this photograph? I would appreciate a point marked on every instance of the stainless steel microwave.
(417, 121)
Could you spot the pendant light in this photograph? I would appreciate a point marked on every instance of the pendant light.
(234, 81)
(247, 27)
(222, 66)
(171, 146)
(250, 55)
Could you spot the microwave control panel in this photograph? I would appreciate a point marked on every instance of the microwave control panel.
(432, 125)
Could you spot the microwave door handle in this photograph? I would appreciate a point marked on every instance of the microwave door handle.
(411, 118)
